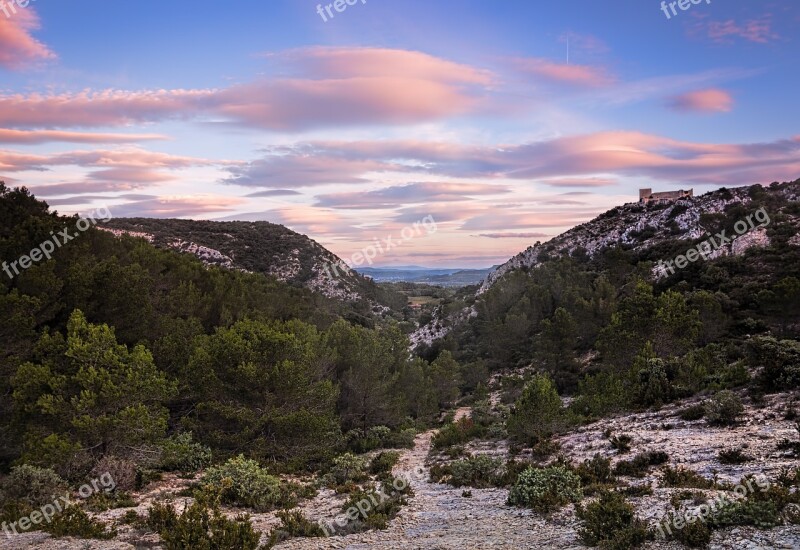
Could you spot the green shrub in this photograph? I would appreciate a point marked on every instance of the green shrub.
(202, 526)
(622, 443)
(762, 514)
(457, 433)
(100, 502)
(638, 466)
(379, 437)
(545, 489)
(121, 470)
(242, 482)
(733, 456)
(293, 525)
(478, 471)
(723, 409)
(694, 412)
(610, 523)
(32, 486)
(595, 471)
(538, 413)
(180, 453)
(375, 509)
(683, 477)
(383, 462)
(694, 535)
(74, 522)
(348, 468)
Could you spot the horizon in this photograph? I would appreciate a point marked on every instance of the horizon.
(499, 124)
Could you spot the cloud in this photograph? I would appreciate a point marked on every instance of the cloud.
(101, 108)
(755, 30)
(29, 137)
(18, 48)
(563, 73)
(274, 193)
(580, 182)
(514, 235)
(577, 160)
(175, 207)
(325, 87)
(711, 100)
(122, 169)
(391, 197)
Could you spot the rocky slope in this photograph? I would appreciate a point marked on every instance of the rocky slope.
(639, 228)
(259, 247)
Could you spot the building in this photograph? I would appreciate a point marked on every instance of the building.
(647, 196)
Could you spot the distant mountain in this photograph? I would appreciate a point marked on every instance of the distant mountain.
(262, 247)
(453, 277)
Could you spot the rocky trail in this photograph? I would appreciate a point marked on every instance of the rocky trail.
(440, 517)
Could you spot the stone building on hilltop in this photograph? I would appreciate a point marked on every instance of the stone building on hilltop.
(647, 196)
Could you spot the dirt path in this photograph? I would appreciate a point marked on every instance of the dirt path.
(439, 517)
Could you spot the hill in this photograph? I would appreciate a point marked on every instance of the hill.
(263, 247)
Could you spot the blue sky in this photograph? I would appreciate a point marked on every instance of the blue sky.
(350, 129)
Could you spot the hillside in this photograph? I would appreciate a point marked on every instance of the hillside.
(650, 234)
(262, 247)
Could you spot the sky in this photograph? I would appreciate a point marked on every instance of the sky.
(456, 133)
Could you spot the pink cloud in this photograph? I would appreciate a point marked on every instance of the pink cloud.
(580, 182)
(29, 137)
(562, 73)
(755, 30)
(711, 100)
(331, 87)
(17, 47)
(514, 235)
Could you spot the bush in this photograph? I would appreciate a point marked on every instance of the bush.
(545, 489)
(779, 362)
(375, 509)
(379, 437)
(538, 413)
(384, 462)
(242, 482)
(622, 443)
(348, 468)
(74, 522)
(685, 478)
(122, 471)
(293, 525)
(595, 471)
(100, 502)
(733, 456)
(202, 526)
(457, 433)
(640, 464)
(694, 535)
(32, 486)
(610, 523)
(723, 409)
(180, 453)
(694, 412)
(480, 471)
